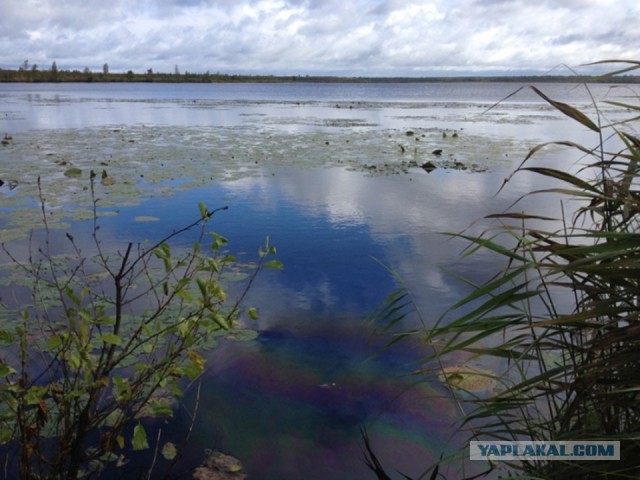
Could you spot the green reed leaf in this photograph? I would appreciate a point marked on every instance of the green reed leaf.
(569, 111)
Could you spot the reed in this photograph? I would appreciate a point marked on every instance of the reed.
(562, 315)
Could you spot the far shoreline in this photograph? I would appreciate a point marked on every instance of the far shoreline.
(86, 76)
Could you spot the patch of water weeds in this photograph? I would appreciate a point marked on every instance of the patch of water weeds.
(318, 122)
(145, 161)
(502, 117)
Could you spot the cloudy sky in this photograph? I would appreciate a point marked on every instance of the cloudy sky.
(333, 37)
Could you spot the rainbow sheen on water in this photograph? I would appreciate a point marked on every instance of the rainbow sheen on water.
(293, 406)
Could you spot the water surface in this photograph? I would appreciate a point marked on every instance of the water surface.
(331, 174)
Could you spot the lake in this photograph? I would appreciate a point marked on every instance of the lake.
(331, 173)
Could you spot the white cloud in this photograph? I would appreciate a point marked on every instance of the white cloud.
(390, 37)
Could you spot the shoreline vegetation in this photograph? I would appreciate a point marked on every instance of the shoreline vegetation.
(53, 75)
(557, 320)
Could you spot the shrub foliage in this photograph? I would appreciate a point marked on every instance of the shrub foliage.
(106, 340)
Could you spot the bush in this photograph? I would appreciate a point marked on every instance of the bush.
(106, 341)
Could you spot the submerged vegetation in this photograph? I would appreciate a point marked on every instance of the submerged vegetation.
(559, 324)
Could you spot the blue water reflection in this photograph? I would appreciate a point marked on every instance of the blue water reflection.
(330, 225)
(290, 404)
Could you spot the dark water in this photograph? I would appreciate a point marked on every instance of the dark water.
(291, 404)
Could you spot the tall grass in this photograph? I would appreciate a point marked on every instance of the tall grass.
(562, 315)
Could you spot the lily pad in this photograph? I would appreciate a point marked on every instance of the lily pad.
(73, 172)
(130, 163)
(219, 466)
(243, 335)
(146, 218)
(469, 379)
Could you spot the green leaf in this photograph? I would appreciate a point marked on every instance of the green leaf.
(110, 338)
(6, 370)
(220, 320)
(163, 252)
(161, 408)
(6, 434)
(35, 394)
(114, 416)
(253, 313)
(72, 296)
(564, 176)
(121, 388)
(569, 111)
(275, 264)
(204, 213)
(195, 366)
(55, 342)
(218, 241)
(6, 337)
(75, 361)
(490, 245)
(169, 451)
(202, 285)
(139, 440)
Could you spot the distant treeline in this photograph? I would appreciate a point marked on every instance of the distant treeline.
(54, 75)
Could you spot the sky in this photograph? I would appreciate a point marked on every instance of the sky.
(319, 37)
